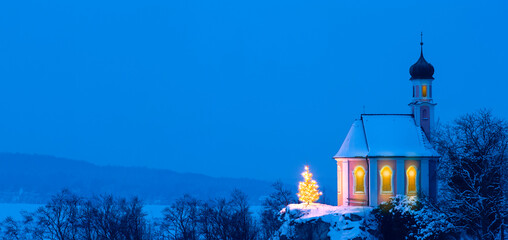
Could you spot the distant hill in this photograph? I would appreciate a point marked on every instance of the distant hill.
(34, 178)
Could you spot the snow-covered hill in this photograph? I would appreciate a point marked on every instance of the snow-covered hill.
(321, 222)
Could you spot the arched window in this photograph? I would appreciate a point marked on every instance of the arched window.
(339, 179)
(424, 114)
(386, 175)
(412, 175)
(424, 90)
(359, 180)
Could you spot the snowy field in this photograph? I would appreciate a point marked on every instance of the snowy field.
(14, 209)
(152, 211)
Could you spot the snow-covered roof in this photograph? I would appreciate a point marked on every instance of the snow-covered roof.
(355, 144)
(386, 135)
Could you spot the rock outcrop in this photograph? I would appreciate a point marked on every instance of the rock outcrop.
(324, 222)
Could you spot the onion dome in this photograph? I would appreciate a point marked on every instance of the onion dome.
(421, 69)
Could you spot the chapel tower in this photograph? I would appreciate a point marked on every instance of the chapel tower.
(422, 104)
(385, 155)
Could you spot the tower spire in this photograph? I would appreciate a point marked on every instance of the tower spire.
(422, 104)
(421, 43)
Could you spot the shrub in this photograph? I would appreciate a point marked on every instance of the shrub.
(410, 218)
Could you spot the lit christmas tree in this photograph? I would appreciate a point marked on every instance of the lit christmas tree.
(308, 190)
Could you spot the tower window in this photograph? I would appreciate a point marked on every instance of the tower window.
(386, 175)
(359, 180)
(424, 91)
(411, 180)
(424, 114)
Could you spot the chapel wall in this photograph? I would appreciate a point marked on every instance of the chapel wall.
(357, 198)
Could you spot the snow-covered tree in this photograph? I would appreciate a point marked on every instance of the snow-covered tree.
(472, 169)
(406, 217)
(308, 189)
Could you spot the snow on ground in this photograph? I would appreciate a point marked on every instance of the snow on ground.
(314, 210)
(256, 212)
(154, 211)
(345, 222)
(14, 210)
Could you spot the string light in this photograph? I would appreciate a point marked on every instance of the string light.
(308, 189)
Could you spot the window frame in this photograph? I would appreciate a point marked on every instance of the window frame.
(355, 180)
(339, 179)
(415, 192)
(381, 177)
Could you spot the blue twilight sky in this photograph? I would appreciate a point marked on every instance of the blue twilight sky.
(251, 88)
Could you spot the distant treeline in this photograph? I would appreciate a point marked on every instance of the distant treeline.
(70, 216)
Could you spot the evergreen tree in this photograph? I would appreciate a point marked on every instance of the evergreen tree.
(308, 189)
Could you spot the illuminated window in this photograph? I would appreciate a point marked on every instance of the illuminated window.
(386, 175)
(424, 91)
(359, 180)
(339, 179)
(411, 180)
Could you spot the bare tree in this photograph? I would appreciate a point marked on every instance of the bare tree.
(68, 217)
(31, 228)
(227, 219)
(241, 224)
(181, 219)
(88, 221)
(472, 169)
(272, 205)
(207, 221)
(11, 229)
(60, 217)
(132, 220)
(107, 218)
(114, 219)
(215, 220)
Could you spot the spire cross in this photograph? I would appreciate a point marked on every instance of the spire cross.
(421, 43)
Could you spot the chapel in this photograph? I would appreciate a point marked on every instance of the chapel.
(384, 155)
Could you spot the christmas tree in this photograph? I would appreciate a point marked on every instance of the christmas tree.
(308, 190)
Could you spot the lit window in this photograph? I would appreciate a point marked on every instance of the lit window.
(386, 175)
(359, 180)
(411, 180)
(424, 91)
(339, 179)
